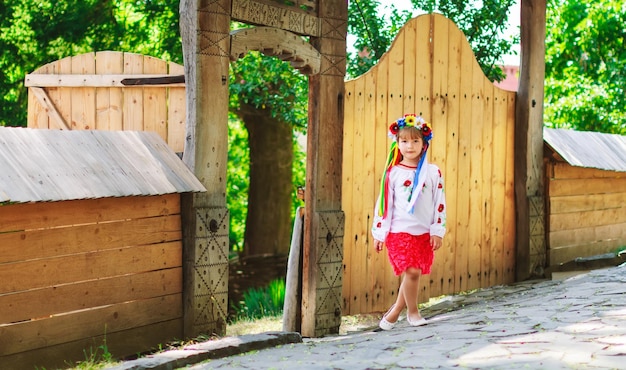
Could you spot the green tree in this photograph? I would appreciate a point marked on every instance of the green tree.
(270, 98)
(483, 26)
(585, 87)
(36, 32)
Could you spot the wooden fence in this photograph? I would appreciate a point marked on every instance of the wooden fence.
(109, 90)
(586, 211)
(76, 275)
(431, 70)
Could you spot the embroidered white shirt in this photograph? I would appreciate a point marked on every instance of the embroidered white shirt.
(429, 214)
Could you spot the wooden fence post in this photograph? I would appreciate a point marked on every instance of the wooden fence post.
(205, 28)
(529, 173)
(324, 220)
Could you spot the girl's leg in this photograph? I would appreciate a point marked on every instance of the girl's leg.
(395, 310)
(410, 288)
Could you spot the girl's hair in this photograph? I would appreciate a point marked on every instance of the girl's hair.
(410, 132)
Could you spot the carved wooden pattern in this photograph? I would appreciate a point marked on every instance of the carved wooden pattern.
(210, 269)
(330, 270)
(299, 18)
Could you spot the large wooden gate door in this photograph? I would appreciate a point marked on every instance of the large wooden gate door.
(431, 70)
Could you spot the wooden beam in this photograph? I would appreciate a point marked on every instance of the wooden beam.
(205, 28)
(529, 172)
(94, 80)
(324, 219)
(297, 19)
(49, 107)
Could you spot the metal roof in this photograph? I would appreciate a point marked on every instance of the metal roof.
(588, 149)
(38, 165)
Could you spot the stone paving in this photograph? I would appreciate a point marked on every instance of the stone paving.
(576, 323)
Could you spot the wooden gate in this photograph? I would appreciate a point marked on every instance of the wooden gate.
(431, 70)
(109, 90)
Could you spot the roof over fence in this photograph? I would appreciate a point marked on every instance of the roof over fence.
(588, 149)
(53, 165)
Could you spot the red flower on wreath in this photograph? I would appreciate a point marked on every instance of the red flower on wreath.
(407, 183)
(394, 128)
(426, 130)
(440, 208)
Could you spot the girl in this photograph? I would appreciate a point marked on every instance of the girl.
(410, 214)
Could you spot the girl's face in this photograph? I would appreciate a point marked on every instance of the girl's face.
(411, 145)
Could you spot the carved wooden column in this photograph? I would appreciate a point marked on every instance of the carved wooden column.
(529, 173)
(205, 27)
(324, 220)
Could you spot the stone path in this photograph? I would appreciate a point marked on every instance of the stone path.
(577, 323)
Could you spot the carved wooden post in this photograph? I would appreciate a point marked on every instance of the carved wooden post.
(205, 26)
(529, 181)
(324, 220)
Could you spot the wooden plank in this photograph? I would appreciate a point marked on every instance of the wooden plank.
(46, 243)
(176, 111)
(498, 187)
(586, 202)
(563, 187)
(509, 186)
(438, 118)
(120, 345)
(463, 185)
(359, 254)
(582, 249)
(87, 294)
(42, 273)
(370, 188)
(108, 78)
(133, 98)
(569, 221)
(155, 99)
(487, 261)
(27, 216)
(565, 171)
(31, 335)
(83, 111)
(109, 101)
(379, 261)
(587, 234)
(62, 96)
(476, 186)
(349, 163)
(409, 65)
(450, 170)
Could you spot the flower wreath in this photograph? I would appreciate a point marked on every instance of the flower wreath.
(411, 120)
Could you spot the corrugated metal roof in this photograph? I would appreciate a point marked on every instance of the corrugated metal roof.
(588, 149)
(51, 165)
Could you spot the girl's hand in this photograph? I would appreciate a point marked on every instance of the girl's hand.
(436, 242)
(378, 245)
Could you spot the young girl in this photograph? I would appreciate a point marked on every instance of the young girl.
(410, 214)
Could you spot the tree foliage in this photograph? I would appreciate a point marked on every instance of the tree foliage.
(585, 86)
(483, 26)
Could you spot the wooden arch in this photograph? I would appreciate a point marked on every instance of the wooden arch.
(275, 42)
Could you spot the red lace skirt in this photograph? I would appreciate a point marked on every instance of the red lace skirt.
(406, 250)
